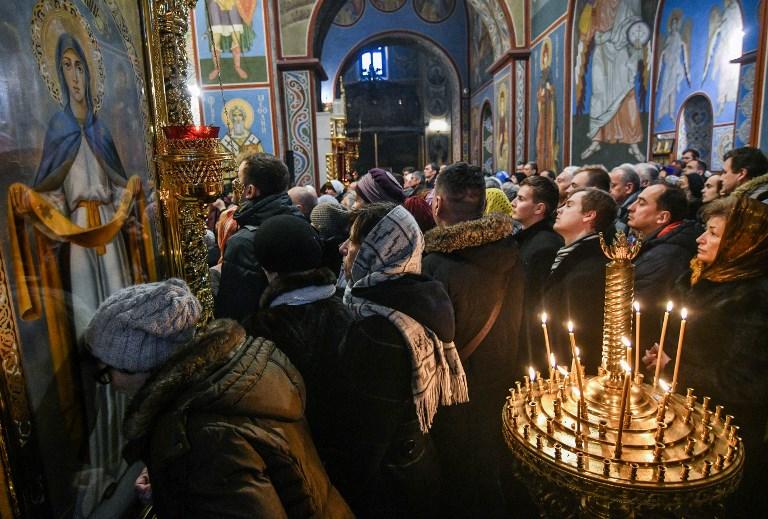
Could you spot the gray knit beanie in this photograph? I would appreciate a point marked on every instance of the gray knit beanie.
(330, 220)
(139, 327)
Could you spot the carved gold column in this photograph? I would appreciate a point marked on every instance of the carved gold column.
(192, 163)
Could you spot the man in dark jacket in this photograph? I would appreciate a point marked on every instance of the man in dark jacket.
(625, 186)
(669, 243)
(398, 363)
(218, 418)
(477, 260)
(264, 179)
(575, 288)
(535, 207)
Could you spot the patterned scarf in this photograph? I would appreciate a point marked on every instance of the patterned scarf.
(391, 249)
(564, 251)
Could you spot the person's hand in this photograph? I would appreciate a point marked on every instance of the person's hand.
(19, 198)
(649, 359)
(143, 487)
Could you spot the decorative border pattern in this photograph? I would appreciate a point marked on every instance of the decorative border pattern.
(745, 104)
(298, 114)
(519, 112)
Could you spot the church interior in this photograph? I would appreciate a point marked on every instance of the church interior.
(333, 88)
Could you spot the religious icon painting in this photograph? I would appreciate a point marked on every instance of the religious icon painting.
(503, 104)
(230, 36)
(388, 6)
(546, 100)
(81, 212)
(244, 116)
(350, 13)
(434, 11)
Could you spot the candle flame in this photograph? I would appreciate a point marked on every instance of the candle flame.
(626, 342)
(578, 352)
(669, 306)
(625, 366)
(570, 326)
(577, 393)
(664, 386)
(543, 317)
(637, 306)
(562, 370)
(531, 373)
(552, 360)
(684, 313)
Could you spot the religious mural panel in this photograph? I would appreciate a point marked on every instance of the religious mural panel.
(76, 170)
(349, 13)
(503, 120)
(231, 41)
(547, 89)
(479, 99)
(481, 56)
(388, 6)
(722, 142)
(245, 118)
(611, 71)
(544, 13)
(434, 11)
(487, 139)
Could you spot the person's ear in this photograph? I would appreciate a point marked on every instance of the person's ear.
(742, 175)
(589, 217)
(540, 208)
(664, 218)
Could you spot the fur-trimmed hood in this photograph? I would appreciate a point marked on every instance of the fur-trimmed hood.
(221, 371)
(294, 281)
(472, 233)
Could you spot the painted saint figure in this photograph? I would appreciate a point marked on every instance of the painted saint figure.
(608, 26)
(674, 64)
(239, 134)
(503, 142)
(546, 154)
(231, 30)
(723, 45)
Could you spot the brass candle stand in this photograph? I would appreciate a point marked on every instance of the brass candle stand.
(192, 168)
(673, 455)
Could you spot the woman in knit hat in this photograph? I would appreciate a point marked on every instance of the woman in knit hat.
(378, 185)
(209, 412)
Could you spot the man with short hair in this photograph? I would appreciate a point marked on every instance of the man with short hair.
(531, 169)
(414, 183)
(741, 165)
(535, 206)
(304, 200)
(590, 176)
(430, 171)
(625, 185)
(574, 289)
(689, 154)
(669, 242)
(563, 181)
(697, 166)
(264, 179)
(477, 260)
(648, 173)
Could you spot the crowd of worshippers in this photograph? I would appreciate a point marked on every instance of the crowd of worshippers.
(366, 339)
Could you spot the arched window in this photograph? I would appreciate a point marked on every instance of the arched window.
(373, 63)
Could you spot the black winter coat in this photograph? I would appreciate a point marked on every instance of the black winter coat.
(479, 263)
(575, 291)
(725, 357)
(383, 464)
(220, 427)
(538, 247)
(242, 279)
(310, 335)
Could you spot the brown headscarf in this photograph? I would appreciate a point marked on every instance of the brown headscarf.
(743, 252)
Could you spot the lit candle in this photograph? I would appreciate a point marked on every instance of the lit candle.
(552, 367)
(637, 337)
(532, 378)
(624, 399)
(577, 361)
(578, 412)
(660, 353)
(564, 372)
(546, 337)
(684, 315)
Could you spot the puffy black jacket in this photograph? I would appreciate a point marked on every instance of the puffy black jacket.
(242, 279)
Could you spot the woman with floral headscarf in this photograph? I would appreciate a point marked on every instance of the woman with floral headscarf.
(726, 345)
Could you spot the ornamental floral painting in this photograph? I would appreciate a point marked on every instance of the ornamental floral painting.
(76, 170)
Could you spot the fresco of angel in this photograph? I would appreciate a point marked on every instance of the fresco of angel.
(614, 37)
(675, 63)
(723, 45)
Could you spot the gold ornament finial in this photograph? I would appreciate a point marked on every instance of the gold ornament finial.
(624, 247)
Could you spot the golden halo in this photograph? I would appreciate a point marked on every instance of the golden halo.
(51, 19)
(242, 104)
(546, 57)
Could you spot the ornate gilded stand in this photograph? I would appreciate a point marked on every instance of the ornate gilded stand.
(675, 454)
